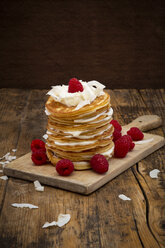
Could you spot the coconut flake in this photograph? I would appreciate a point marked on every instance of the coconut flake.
(41, 189)
(23, 205)
(82, 104)
(45, 136)
(10, 158)
(38, 186)
(14, 150)
(5, 156)
(47, 112)
(5, 162)
(154, 173)
(4, 177)
(96, 84)
(140, 142)
(124, 197)
(63, 219)
(48, 132)
(47, 224)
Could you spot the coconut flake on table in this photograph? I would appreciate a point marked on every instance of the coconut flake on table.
(38, 186)
(8, 157)
(4, 157)
(14, 150)
(63, 219)
(23, 205)
(140, 142)
(5, 162)
(124, 197)
(4, 177)
(154, 173)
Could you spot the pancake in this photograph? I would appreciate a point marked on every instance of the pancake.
(60, 110)
(79, 127)
(79, 146)
(85, 155)
(78, 134)
(72, 136)
(79, 163)
(84, 119)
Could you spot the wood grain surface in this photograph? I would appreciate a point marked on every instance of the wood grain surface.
(120, 43)
(100, 219)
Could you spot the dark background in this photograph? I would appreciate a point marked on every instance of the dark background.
(119, 43)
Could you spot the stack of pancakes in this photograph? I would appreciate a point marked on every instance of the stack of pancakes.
(78, 134)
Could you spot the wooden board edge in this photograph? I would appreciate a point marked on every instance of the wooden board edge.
(81, 189)
(93, 187)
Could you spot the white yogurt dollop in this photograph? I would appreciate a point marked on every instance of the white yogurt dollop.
(92, 89)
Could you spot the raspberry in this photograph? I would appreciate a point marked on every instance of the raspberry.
(64, 167)
(116, 135)
(99, 163)
(116, 125)
(75, 86)
(39, 157)
(121, 148)
(132, 146)
(135, 133)
(129, 140)
(37, 145)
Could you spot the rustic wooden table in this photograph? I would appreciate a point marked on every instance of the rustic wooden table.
(100, 219)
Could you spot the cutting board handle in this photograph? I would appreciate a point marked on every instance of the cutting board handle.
(145, 122)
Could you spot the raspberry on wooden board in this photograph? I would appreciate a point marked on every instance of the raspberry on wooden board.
(64, 167)
(135, 133)
(39, 157)
(99, 163)
(129, 140)
(121, 148)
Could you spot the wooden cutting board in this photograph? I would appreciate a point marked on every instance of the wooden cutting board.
(85, 182)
